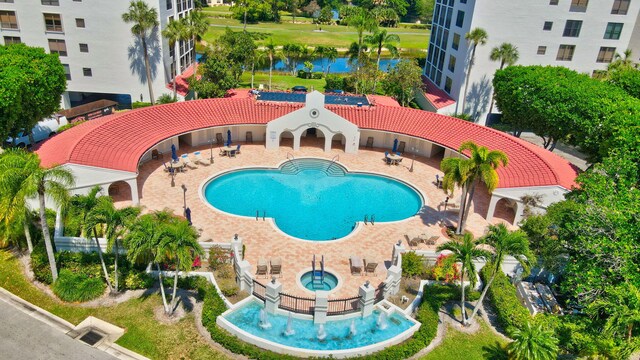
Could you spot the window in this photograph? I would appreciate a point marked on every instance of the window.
(553, 2)
(620, 7)
(547, 25)
(613, 31)
(8, 20)
(447, 85)
(452, 63)
(456, 41)
(67, 71)
(9, 40)
(542, 50)
(460, 18)
(80, 23)
(565, 52)
(57, 46)
(51, 2)
(572, 28)
(53, 22)
(86, 71)
(84, 48)
(463, 1)
(606, 54)
(579, 5)
(6, 1)
(169, 4)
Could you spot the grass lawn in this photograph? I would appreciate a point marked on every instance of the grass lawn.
(143, 333)
(458, 345)
(415, 40)
(280, 82)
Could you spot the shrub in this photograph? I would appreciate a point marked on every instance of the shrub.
(218, 257)
(166, 99)
(445, 269)
(510, 313)
(77, 287)
(184, 282)
(317, 75)
(40, 265)
(70, 125)
(334, 82)
(229, 289)
(302, 74)
(225, 272)
(138, 280)
(412, 264)
(139, 104)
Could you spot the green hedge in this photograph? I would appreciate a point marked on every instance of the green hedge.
(80, 287)
(140, 104)
(434, 298)
(510, 312)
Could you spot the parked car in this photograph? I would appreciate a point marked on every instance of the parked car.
(42, 131)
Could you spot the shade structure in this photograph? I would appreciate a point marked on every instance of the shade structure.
(174, 153)
(187, 214)
(395, 146)
(228, 137)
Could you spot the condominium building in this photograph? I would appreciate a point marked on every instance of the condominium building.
(101, 57)
(582, 35)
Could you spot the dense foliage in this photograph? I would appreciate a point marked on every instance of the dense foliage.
(502, 294)
(77, 287)
(627, 79)
(402, 81)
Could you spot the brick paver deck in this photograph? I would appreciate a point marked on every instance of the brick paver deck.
(372, 242)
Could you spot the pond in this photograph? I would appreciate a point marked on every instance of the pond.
(341, 65)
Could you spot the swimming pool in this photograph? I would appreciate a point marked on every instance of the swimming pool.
(312, 199)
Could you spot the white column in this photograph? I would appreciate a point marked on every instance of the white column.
(367, 298)
(327, 141)
(519, 212)
(133, 184)
(321, 308)
(492, 207)
(272, 296)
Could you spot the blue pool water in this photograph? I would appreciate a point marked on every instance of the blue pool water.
(338, 337)
(329, 282)
(310, 200)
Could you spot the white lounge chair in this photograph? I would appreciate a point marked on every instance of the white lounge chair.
(198, 159)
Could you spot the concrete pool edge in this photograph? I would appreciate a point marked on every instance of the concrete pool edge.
(358, 225)
(301, 352)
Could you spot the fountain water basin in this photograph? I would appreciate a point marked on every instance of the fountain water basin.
(350, 335)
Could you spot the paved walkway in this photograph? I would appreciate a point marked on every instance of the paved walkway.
(22, 336)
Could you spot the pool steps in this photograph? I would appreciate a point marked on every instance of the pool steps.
(294, 166)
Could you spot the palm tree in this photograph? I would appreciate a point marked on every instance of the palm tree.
(477, 36)
(533, 342)
(85, 205)
(181, 244)
(362, 21)
(116, 222)
(331, 54)
(196, 24)
(465, 251)
(258, 58)
(272, 52)
(144, 20)
(504, 243)
(174, 32)
(467, 173)
(381, 39)
(621, 308)
(624, 61)
(23, 169)
(13, 207)
(508, 55)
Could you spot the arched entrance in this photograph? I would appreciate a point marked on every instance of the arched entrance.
(506, 210)
(312, 137)
(286, 139)
(338, 142)
(120, 191)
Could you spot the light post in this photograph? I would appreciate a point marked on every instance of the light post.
(172, 172)
(184, 199)
(211, 149)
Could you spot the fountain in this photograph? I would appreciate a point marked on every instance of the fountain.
(321, 333)
(381, 323)
(352, 328)
(264, 322)
(289, 330)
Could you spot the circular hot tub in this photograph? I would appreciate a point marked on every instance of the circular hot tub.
(328, 281)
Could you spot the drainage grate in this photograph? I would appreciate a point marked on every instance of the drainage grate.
(91, 337)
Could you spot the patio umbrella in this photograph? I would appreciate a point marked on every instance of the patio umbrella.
(174, 154)
(228, 137)
(187, 214)
(395, 146)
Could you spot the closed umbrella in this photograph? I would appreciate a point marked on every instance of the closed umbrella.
(395, 146)
(174, 153)
(228, 137)
(187, 214)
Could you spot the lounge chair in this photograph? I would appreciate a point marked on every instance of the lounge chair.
(401, 146)
(370, 267)
(156, 155)
(187, 162)
(356, 265)
(219, 139)
(369, 142)
(198, 159)
(262, 267)
(276, 266)
(432, 240)
(412, 241)
(387, 159)
(249, 137)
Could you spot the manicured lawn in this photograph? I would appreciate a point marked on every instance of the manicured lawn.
(337, 36)
(143, 333)
(280, 82)
(458, 345)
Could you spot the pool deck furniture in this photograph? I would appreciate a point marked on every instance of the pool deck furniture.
(156, 155)
(187, 162)
(370, 267)
(369, 142)
(219, 138)
(198, 159)
(262, 267)
(226, 150)
(276, 266)
(356, 265)
(178, 164)
(395, 159)
(431, 240)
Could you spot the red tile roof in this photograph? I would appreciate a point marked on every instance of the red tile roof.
(382, 100)
(182, 86)
(118, 141)
(436, 96)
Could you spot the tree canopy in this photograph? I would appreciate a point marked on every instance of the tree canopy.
(31, 83)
